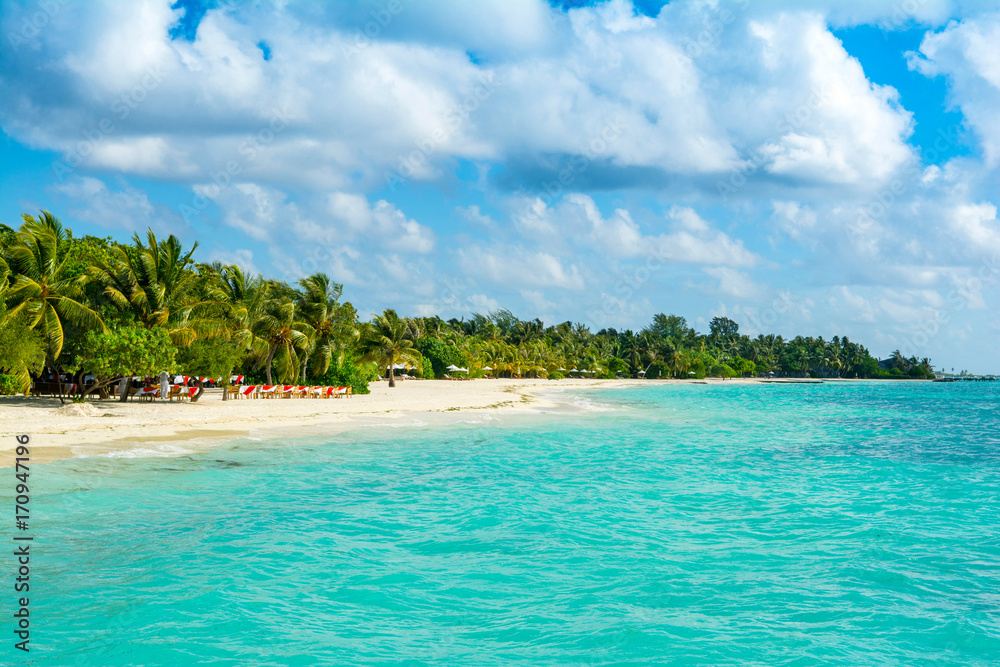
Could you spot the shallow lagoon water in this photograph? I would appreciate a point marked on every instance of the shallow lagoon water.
(852, 523)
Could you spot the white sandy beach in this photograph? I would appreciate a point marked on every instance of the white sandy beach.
(109, 427)
(102, 427)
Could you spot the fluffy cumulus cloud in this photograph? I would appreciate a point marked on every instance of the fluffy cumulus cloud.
(116, 208)
(450, 156)
(965, 52)
(592, 86)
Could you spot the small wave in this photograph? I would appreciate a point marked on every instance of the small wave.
(164, 450)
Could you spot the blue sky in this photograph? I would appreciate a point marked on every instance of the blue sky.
(807, 167)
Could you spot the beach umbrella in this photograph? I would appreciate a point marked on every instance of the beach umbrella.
(691, 372)
(487, 368)
(461, 370)
(452, 368)
(642, 372)
(573, 370)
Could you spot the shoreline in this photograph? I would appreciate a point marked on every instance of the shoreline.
(110, 428)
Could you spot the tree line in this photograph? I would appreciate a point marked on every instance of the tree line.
(97, 308)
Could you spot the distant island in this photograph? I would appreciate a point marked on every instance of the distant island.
(97, 309)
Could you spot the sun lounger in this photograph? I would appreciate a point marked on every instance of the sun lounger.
(148, 393)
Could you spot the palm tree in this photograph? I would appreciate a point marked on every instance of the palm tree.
(285, 335)
(155, 281)
(237, 301)
(42, 290)
(332, 322)
(385, 343)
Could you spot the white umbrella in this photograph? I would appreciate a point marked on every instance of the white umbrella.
(461, 370)
(397, 367)
(561, 369)
(691, 372)
(453, 367)
(487, 368)
(573, 370)
(642, 372)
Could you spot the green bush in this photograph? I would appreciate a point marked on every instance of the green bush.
(427, 368)
(9, 386)
(352, 373)
(440, 355)
(556, 375)
(721, 371)
(657, 370)
(618, 366)
(743, 366)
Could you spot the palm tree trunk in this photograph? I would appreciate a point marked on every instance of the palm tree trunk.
(305, 363)
(392, 377)
(201, 390)
(270, 356)
(60, 382)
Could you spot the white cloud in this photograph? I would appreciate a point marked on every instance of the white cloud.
(382, 223)
(516, 266)
(734, 283)
(617, 90)
(965, 52)
(694, 241)
(239, 256)
(127, 208)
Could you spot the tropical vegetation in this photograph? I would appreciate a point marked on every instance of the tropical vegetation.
(101, 309)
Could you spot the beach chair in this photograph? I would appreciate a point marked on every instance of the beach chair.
(287, 391)
(233, 392)
(148, 393)
(176, 392)
(249, 391)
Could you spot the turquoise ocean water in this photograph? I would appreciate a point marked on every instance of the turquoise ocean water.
(833, 524)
